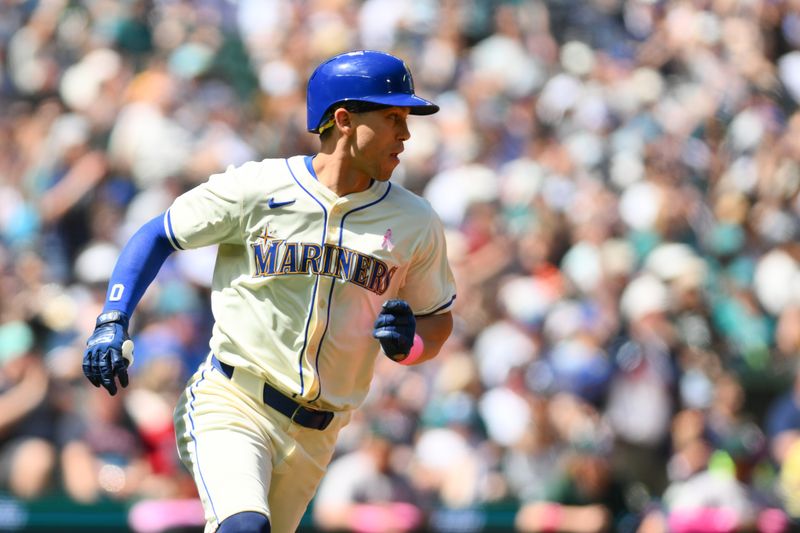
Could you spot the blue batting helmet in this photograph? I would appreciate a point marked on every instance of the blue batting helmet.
(362, 76)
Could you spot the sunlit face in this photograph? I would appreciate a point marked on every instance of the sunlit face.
(378, 140)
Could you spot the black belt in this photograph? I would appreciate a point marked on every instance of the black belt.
(296, 412)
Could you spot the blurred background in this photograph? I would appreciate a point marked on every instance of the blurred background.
(619, 181)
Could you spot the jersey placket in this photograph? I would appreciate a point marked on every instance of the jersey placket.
(324, 294)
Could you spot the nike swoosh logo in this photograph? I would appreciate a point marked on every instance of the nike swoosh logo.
(273, 204)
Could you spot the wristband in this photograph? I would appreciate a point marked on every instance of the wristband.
(415, 353)
(112, 316)
(551, 517)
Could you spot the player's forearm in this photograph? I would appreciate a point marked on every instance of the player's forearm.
(137, 266)
(434, 331)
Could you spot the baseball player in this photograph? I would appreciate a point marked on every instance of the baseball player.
(321, 262)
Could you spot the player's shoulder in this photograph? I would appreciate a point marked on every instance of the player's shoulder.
(410, 202)
(259, 168)
(256, 173)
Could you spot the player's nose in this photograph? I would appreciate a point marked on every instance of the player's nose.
(403, 134)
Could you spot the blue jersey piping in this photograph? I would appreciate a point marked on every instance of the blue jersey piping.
(173, 239)
(446, 305)
(194, 439)
(316, 281)
(333, 283)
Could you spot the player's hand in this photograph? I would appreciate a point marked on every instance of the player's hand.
(109, 352)
(395, 328)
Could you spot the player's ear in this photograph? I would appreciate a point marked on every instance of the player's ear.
(343, 120)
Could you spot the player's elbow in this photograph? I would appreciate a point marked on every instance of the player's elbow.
(434, 330)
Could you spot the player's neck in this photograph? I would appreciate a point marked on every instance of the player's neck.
(337, 174)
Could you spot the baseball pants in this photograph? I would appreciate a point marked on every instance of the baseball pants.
(245, 456)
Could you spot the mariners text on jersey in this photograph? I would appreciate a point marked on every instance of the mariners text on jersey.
(276, 257)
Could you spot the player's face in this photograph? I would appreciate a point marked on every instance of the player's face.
(379, 140)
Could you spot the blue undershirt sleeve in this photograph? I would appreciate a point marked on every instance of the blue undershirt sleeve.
(137, 266)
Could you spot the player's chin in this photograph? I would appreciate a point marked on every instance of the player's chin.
(384, 172)
(390, 165)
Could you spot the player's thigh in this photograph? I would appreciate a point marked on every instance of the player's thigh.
(223, 444)
(296, 478)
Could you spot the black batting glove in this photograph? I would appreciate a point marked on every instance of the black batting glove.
(109, 352)
(394, 328)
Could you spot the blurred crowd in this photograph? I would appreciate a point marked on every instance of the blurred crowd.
(620, 184)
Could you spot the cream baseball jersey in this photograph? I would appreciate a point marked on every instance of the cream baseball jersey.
(301, 273)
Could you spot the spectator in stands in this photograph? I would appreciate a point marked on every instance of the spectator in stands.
(367, 491)
(103, 455)
(27, 439)
(586, 498)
